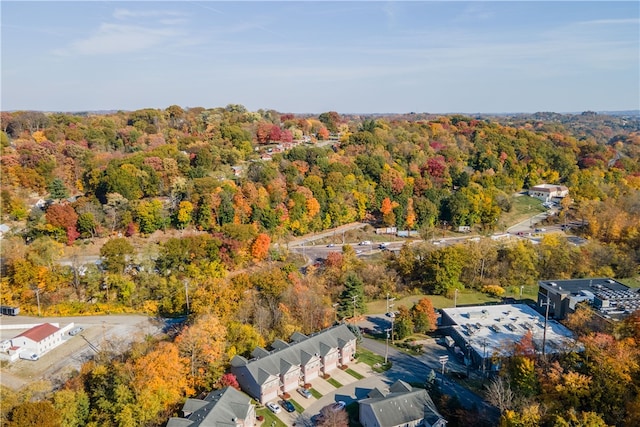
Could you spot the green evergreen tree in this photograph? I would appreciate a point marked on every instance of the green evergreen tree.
(352, 297)
(57, 189)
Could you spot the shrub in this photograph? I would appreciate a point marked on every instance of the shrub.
(494, 290)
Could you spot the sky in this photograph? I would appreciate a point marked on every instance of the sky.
(313, 57)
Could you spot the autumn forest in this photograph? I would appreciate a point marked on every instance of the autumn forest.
(209, 199)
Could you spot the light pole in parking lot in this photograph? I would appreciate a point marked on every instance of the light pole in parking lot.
(389, 300)
(386, 350)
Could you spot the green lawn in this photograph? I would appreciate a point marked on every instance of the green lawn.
(269, 418)
(465, 297)
(374, 360)
(299, 409)
(632, 282)
(354, 374)
(315, 393)
(522, 207)
(334, 382)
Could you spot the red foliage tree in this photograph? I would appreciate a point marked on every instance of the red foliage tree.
(72, 235)
(63, 216)
(229, 380)
(275, 133)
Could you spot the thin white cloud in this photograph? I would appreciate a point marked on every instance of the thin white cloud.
(115, 39)
(634, 21)
(127, 13)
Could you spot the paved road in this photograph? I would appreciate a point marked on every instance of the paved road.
(413, 369)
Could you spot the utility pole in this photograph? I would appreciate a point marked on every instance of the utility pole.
(521, 288)
(455, 298)
(355, 297)
(186, 293)
(544, 332)
(484, 358)
(38, 299)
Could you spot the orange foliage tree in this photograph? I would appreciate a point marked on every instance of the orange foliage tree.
(260, 246)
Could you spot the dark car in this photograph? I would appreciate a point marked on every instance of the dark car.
(288, 406)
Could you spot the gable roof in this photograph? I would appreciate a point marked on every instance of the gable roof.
(298, 352)
(219, 408)
(40, 332)
(401, 406)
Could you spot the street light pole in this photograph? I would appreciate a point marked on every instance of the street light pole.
(455, 298)
(386, 350)
(521, 288)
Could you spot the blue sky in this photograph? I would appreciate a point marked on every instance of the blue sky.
(311, 57)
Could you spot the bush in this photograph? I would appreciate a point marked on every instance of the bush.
(495, 290)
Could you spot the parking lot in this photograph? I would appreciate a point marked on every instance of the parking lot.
(328, 391)
(97, 331)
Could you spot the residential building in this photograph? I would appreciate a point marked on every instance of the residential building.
(609, 298)
(548, 192)
(269, 374)
(484, 334)
(402, 406)
(220, 408)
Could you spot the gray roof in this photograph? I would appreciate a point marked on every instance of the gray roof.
(295, 353)
(219, 408)
(402, 406)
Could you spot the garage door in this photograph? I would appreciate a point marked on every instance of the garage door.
(270, 396)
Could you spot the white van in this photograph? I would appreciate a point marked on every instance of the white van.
(29, 355)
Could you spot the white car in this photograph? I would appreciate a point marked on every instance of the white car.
(274, 407)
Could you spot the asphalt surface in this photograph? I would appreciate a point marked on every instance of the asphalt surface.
(414, 369)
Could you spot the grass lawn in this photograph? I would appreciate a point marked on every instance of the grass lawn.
(334, 382)
(632, 282)
(270, 418)
(374, 360)
(522, 208)
(354, 374)
(299, 409)
(315, 393)
(465, 297)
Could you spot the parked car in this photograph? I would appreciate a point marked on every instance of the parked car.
(274, 407)
(365, 242)
(391, 314)
(338, 406)
(305, 393)
(288, 406)
(76, 331)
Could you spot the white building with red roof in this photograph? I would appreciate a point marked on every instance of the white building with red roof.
(34, 342)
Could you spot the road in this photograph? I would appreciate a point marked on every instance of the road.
(414, 369)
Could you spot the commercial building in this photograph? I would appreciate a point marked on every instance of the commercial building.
(289, 365)
(609, 298)
(548, 192)
(484, 334)
(34, 342)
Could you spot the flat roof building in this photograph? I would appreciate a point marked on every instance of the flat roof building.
(482, 332)
(610, 299)
(547, 192)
